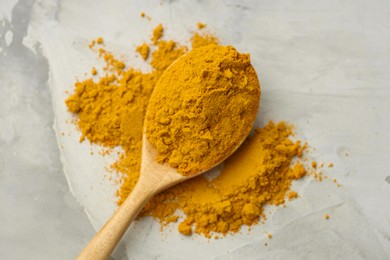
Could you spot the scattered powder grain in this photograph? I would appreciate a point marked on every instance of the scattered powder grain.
(99, 40)
(314, 164)
(157, 34)
(292, 195)
(143, 50)
(201, 25)
(185, 228)
(112, 63)
(92, 44)
(143, 15)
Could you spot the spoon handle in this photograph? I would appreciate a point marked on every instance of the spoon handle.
(105, 241)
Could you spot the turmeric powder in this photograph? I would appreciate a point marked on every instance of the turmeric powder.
(110, 112)
(202, 108)
(99, 40)
(258, 173)
(199, 40)
(201, 25)
(143, 50)
(157, 34)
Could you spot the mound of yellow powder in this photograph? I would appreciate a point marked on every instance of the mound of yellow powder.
(143, 50)
(202, 108)
(110, 112)
(260, 172)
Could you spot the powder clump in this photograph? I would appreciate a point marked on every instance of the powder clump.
(183, 125)
(157, 34)
(143, 50)
(167, 52)
(99, 40)
(201, 25)
(200, 40)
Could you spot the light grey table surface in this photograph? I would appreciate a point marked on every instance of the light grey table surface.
(40, 218)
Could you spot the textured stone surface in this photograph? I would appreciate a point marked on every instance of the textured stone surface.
(323, 66)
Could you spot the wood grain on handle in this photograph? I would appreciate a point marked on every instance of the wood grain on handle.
(105, 241)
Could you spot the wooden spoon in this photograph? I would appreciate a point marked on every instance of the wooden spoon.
(154, 178)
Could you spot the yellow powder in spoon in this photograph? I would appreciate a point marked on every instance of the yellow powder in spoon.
(110, 110)
(202, 108)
